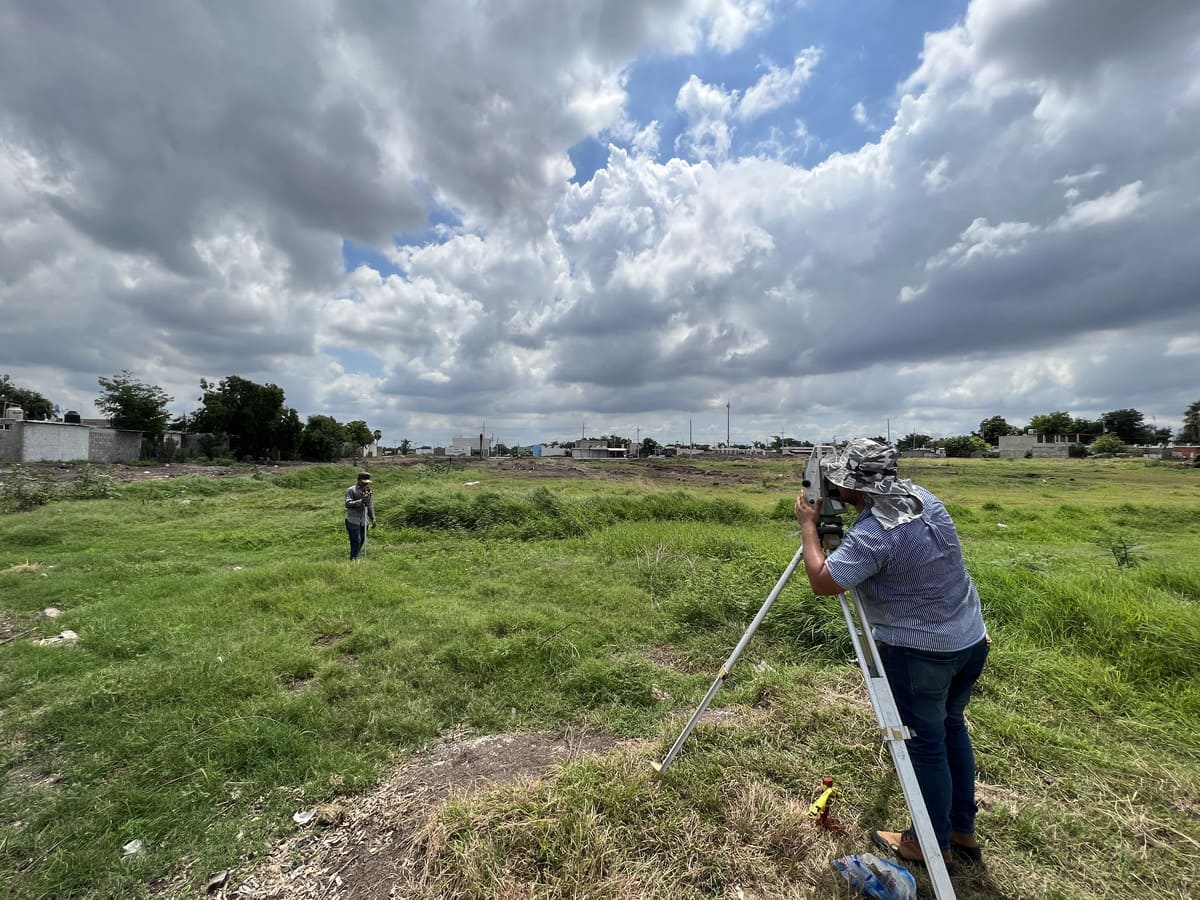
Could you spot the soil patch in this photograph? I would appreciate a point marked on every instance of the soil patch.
(23, 777)
(361, 847)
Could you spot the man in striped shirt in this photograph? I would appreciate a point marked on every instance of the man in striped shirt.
(903, 556)
(360, 512)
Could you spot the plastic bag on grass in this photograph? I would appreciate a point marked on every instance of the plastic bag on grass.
(877, 878)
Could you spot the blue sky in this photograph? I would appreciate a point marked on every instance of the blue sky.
(867, 47)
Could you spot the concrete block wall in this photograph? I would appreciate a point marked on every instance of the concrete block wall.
(10, 441)
(112, 445)
(1015, 446)
(1051, 451)
(52, 441)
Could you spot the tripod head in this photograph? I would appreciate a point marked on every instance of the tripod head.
(818, 488)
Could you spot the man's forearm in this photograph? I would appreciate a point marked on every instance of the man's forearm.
(819, 579)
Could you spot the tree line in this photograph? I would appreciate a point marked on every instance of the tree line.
(256, 423)
(252, 419)
(1106, 434)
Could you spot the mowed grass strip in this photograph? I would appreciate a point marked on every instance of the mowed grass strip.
(232, 668)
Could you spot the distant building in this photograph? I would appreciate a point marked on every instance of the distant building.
(592, 449)
(470, 446)
(28, 441)
(1038, 446)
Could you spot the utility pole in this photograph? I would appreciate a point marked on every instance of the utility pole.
(691, 446)
(726, 424)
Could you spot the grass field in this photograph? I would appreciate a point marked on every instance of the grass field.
(232, 667)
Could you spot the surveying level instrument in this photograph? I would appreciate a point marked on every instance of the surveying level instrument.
(895, 732)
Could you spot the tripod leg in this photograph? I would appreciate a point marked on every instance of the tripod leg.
(661, 767)
(895, 733)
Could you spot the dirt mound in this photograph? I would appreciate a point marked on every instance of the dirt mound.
(360, 847)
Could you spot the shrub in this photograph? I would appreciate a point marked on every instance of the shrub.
(543, 514)
(22, 491)
(1107, 443)
(965, 445)
(90, 484)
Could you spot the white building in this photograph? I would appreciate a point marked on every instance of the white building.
(591, 449)
(481, 445)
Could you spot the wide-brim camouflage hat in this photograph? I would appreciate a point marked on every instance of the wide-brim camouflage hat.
(871, 467)
(865, 465)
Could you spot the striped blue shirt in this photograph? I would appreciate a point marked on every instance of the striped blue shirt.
(912, 580)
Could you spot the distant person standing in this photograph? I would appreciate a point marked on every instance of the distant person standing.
(360, 511)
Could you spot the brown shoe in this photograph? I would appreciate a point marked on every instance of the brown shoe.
(966, 848)
(905, 846)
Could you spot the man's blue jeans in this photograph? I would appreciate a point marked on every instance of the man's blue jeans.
(358, 536)
(932, 691)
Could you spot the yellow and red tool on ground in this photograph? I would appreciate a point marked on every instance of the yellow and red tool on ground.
(822, 808)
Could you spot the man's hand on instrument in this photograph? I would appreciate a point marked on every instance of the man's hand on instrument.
(806, 512)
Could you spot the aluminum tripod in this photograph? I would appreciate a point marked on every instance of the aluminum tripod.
(661, 767)
(894, 731)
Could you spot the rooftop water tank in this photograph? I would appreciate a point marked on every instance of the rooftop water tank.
(14, 412)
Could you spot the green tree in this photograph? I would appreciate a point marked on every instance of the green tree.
(1052, 423)
(965, 445)
(323, 439)
(358, 434)
(405, 446)
(778, 442)
(249, 413)
(131, 404)
(1190, 433)
(1127, 424)
(33, 404)
(1086, 426)
(912, 441)
(991, 430)
(649, 447)
(1107, 443)
(288, 432)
